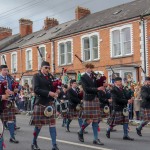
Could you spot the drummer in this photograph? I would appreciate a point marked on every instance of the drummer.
(63, 100)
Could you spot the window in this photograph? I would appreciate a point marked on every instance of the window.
(29, 59)
(43, 52)
(121, 41)
(90, 47)
(3, 59)
(65, 53)
(14, 62)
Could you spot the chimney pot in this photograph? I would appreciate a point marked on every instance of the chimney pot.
(50, 22)
(25, 27)
(81, 12)
(5, 32)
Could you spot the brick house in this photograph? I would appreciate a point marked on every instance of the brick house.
(118, 37)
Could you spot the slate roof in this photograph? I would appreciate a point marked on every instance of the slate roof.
(9, 40)
(109, 16)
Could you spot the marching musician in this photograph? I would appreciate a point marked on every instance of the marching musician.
(2, 98)
(74, 100)
(105, 99)
(91, 109)
(44, 97)
(145, 106)
(9, 111)
(119, 100)
(63, 98)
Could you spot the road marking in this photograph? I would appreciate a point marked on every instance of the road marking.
(77, 144)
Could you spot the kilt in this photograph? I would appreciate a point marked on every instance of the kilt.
(91, 110)
(39, 119)
(145, 114)
(117, 119)
(8, 114)
(103, 114)
(72, 113)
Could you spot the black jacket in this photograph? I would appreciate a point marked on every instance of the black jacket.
(89, 86)
(145, 94)
(1, 107)
(119, 98)
(42, 87)
(103, 98)
(73, 98)
(63, 96)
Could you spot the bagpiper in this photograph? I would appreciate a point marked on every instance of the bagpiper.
(44, 108)
(145, 106)
(119, 115)
(91, 109)
(9, 110)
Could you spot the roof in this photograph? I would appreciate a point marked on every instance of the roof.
(9, 40)
(49, 34)
(18, 43)
(37, 37)
(109, 16)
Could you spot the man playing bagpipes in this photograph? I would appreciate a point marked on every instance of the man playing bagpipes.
(2, 98)
(104, 98)
(145, 106)
(119, 115)
(9, 110)
(91, 104)
(44, 112)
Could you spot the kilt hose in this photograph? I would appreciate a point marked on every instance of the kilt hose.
(145, 114)
(8, 114)
(39, 119)
(91, 110)
(117, 119)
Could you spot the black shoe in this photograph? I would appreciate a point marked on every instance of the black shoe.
(67, 129)
(55, 147)
(138, 131)
(13, 140)
(35, 147)
(108, 134)
(98, 142)
(128, 138)
(80, 137)
(85, 132)
(17, 128)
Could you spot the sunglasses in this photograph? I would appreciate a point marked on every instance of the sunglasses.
(47, 67)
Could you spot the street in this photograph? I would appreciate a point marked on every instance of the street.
(69, 141)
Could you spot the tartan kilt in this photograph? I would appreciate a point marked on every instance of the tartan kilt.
(8, 114)
(117, 119)
(145, 114)
(103, 114)
(91, 110)
(39, 119)
(72, 113)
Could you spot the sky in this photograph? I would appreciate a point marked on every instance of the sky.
(37, 10)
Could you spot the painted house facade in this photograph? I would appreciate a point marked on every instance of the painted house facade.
(117, 38)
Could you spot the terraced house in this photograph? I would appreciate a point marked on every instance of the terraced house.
(118, 37)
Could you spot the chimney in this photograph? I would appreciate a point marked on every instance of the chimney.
(50, 22)
(5, 32)
(25, 27)
(81, 12)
